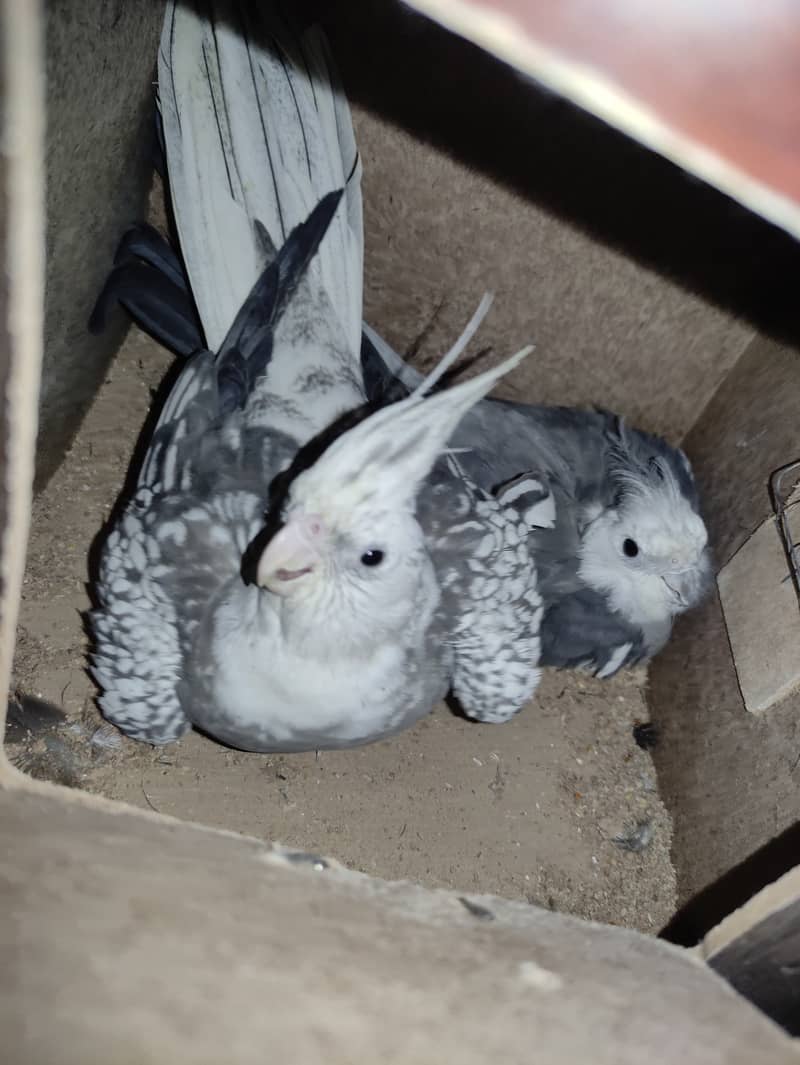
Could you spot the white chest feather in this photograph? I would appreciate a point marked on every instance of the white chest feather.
(265, 686)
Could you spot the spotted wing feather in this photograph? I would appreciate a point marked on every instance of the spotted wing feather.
(490, 600)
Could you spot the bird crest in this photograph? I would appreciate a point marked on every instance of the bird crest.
(380, 463)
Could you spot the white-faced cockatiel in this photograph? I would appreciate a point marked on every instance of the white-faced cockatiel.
(613, 515)
(289, 575)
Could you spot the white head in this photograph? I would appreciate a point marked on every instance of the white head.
(350, 552)
(649, 550)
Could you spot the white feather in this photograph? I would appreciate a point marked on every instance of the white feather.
(460, 345)
(256, 127)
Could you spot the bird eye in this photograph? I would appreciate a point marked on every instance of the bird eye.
(374, 557)
(630, 547)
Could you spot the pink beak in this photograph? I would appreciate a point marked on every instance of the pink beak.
(292, 553)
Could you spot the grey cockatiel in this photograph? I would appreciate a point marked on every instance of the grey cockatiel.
(334, 621)
(335, 618)
(615, 527)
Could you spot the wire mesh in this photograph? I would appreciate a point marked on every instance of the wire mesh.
(784, 486)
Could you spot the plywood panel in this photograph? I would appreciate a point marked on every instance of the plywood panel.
(730, 778)
(158, 942)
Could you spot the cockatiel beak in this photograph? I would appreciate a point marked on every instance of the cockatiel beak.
(292, 553)
(687, 589)
(680, 590)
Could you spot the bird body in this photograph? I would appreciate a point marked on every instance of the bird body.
(612, 513)
(333, 619)
(182, 639)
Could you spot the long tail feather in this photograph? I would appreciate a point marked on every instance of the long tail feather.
(255, 127)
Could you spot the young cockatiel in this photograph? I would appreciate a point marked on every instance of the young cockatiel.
(332, 620)
(349, 621)
(615, 527)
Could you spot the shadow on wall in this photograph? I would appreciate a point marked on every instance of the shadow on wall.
(708, 907)
(448, 92)
(100, 107)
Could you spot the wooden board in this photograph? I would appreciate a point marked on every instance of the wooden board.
(164, 942)
(714, 86)
(764, 966)
(757, 949)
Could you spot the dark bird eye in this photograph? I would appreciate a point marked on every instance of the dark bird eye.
(372, 558)
(631, 548)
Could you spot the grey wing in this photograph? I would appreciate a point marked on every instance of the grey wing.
(161, 569)
(179, 537)
(490, 605)
(579, 629)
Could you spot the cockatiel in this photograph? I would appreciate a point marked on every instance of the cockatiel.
(613, 512)
(332, 621)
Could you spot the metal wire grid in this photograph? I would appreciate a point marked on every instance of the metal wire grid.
(784, 487)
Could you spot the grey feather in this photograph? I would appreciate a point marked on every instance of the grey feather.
(204, 618)
(488, 583)
(602, 611)
(491, 604)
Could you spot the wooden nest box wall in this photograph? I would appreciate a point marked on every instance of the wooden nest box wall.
(657, 280)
